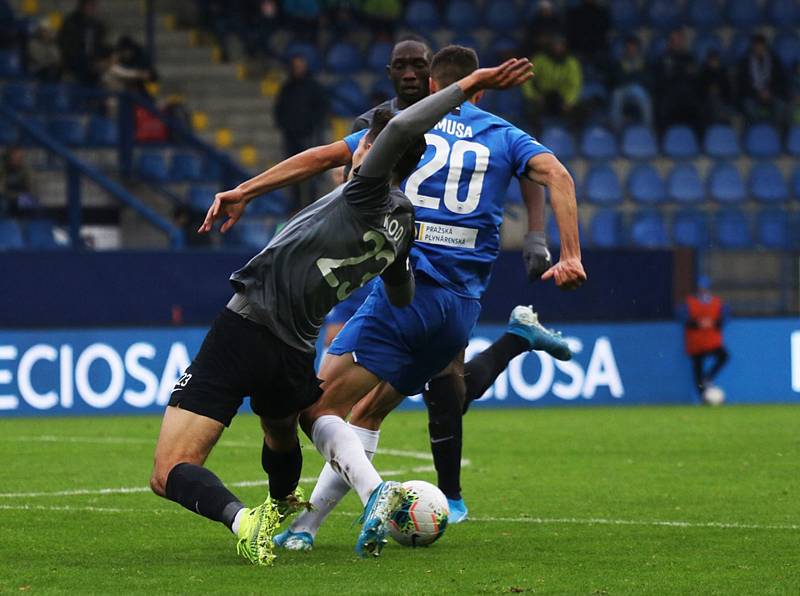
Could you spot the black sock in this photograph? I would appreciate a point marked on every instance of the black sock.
(200, 491)
(483, 369)
(443, 397)
(283, 469)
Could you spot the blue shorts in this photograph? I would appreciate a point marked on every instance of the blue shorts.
(407, 346)
(342, 312)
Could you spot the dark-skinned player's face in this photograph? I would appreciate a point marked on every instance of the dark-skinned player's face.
(409, 71)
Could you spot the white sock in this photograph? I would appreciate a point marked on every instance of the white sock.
(331, 488)
(341, 447)
(237, 521)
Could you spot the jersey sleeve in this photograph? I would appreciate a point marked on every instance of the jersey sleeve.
(522, 147)
(352, 140)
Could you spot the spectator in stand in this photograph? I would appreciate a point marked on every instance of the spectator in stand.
(762, 83)
(630, 82)
(715, 90)
(130, 68)
(44, 58)
(82, 43)
(556, 88)
(588, 24)
(547, 24)
(300, 112)
(16, 189)
(675, 84)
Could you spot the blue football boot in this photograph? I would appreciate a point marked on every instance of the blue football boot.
(294, 540)
(384, 501)
(458, 511)
(524, 323)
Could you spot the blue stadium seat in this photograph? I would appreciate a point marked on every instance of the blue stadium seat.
(509, 104)
(704, 14)
(185, 167)
(101, 132)
(664, 14)
(598, 143)
(744, 14)
(19, 96)
(70, 130)
(793, 141)
(347, 98)
(646, 186)
(703, 44)
(762, 140)
(594, 91)
(382, 88)
(421, 15)
(690, 228)
(275, 203)
(343, 58)
(606, 229)
(721, 141)
(560, 142)
(680, 142)
(725, 184)
(601, 186)
(253, 233)
(8, 133)
(10, 235)
(648, 230)
(306, 50)
(796, 183)
(10, 64)
(657, 48)
(500, 48)
(625, 15)
(737, 48)
(783, 13)
(772, 229)
(200, 198)
(766, 183)
(379, 55)
(639, 142)
(39, 234)
(553, 233)
(54, 99)
(732, 229)
(462, 16)
(468, 41)
(501, 15)
(152, 165)
(684, 184)
(787, 47)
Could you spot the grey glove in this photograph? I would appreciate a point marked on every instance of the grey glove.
(536, 255)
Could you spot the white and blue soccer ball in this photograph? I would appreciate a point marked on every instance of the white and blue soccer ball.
(422, 519)
(713, 395)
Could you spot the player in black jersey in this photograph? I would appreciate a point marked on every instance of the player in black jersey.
(263, 344)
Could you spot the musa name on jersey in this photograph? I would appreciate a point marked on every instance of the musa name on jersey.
(458, 191)
(323, 254)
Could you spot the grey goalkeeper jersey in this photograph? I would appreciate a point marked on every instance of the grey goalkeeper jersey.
(327, 251)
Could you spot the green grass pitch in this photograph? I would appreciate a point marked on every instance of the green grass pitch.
(565, 501)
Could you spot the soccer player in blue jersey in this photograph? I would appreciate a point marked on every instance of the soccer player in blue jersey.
(450, 392)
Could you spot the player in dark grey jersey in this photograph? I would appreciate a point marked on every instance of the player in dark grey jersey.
(262, 345)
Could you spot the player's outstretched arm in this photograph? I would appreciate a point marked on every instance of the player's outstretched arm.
(295, 169)
(545, 169)
(535, 253)
(423, 115)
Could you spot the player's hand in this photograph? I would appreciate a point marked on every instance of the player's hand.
(231, 203)
(567, 273)
(536, 255)
(509, 74)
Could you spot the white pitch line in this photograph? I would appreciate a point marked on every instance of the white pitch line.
(484, 520)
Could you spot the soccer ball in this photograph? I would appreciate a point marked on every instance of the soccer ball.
(713, 395)
(422, 518)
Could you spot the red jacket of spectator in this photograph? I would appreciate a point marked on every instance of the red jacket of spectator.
(704, 324)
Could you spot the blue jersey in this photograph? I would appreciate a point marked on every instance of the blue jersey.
(458, 192)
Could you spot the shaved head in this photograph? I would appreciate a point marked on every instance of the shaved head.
(409, 70)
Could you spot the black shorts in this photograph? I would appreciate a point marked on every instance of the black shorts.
(240, 358)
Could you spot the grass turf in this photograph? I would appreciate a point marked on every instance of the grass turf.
(565, 501)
